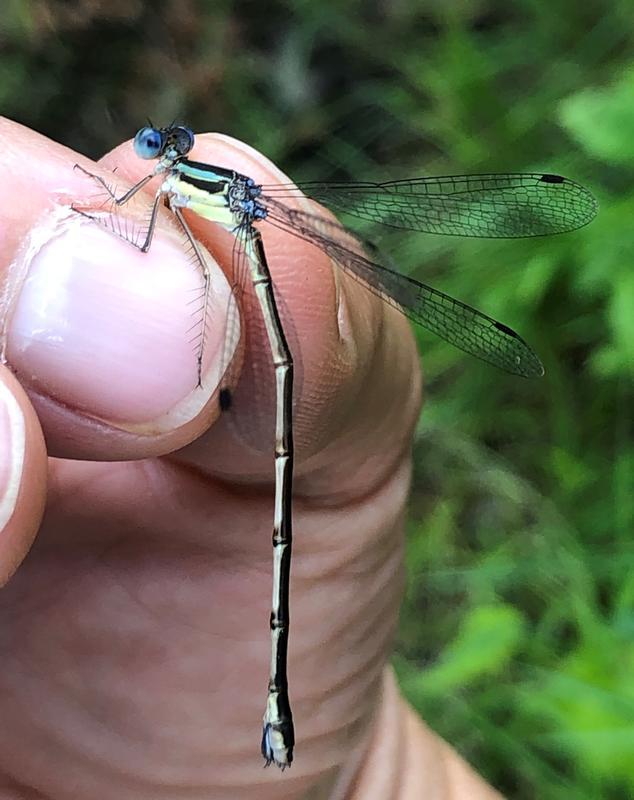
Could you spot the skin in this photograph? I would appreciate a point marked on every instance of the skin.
(134, 637)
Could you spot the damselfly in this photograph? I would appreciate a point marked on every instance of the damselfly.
(494, 205)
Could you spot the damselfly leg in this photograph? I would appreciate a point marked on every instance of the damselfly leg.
(144, 241)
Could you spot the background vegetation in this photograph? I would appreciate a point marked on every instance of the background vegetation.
(517, 638)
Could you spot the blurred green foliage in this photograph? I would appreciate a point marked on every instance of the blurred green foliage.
(517, 635)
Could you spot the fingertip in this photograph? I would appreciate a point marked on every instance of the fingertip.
(23, 470)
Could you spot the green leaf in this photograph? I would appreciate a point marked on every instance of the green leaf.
(602, 120)
(488, 638)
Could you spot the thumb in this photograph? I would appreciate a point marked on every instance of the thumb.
(98, 333)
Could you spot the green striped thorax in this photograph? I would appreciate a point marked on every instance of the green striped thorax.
(215, 193)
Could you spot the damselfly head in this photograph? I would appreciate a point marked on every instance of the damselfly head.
(172, 142)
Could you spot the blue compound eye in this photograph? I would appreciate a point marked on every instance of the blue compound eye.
(148, 143)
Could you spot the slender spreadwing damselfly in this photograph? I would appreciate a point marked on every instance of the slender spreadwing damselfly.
(494, 205)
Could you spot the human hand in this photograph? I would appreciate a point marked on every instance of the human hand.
(134, 637)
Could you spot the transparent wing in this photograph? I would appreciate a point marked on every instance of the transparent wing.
(228, 367)
(500, 206)
(457, 323)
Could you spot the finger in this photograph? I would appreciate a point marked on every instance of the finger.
(22, 474)
(356, 370)
(96, 331)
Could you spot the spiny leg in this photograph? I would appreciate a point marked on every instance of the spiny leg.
(144, 245)
(124, 234)
(119, 201)
(204, 269)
